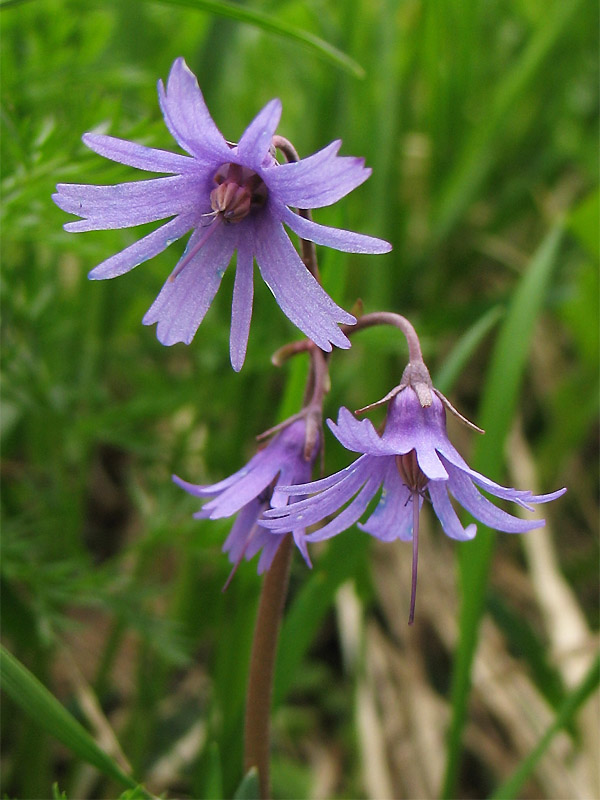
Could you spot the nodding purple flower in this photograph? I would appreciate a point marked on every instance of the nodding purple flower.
(234, 198)
(412, 459)
(255, 488)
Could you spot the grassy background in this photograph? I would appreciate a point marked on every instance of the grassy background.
(479, 120)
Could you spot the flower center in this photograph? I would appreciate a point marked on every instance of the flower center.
(239, 191)
(410, 472)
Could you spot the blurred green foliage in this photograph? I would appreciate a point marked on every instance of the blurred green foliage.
(479, 120)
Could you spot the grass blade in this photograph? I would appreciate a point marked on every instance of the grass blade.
(567, 711)
(477, 156)
(465, 348)
(276, 26)
(25, 689)
(248, 788)
(497, 411)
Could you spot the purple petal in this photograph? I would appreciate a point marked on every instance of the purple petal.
(208, 490)
(392, 517)
(446, 514)
(241, 308)
(350, 514)
(316, 181)
(183, 302)
(346, 241)
(345, 482)
(256, 139)
(243, 490)
(547, 498)
(188, 118)
(258, 539)
(411, 427)
(314, 509)
(241, 531)
(298, 294)
(139, 156)
(480, 507)
(284, 452)
(523, 498)
(142, 250)
(291, 472)
(270, 546)
(126, 204)
(318, 486)
(357, 435)
(300, 540)
(429, 461)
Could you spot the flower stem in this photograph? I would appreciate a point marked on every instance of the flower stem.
(389, 318)
(262, 665)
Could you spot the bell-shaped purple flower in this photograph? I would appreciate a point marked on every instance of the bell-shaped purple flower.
(253, 489)
(234, 198)
(413, 458)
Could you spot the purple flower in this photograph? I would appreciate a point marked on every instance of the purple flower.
(255, 488)
(413, 457)
(232, 198)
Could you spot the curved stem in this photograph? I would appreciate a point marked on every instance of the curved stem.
(286, 352)
(262, 665)
(390, 318)
(366, 321)
(309, 251)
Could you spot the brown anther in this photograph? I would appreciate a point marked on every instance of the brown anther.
(239, 191)
(410, 472)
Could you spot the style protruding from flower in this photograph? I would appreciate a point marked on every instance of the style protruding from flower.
(412, 459)
(234, 198)
(253, 489)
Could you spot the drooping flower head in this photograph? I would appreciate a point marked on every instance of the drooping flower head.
(253, 489)
(234, 198)
(412, 459)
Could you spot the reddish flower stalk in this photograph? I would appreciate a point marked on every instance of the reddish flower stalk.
(262, 665)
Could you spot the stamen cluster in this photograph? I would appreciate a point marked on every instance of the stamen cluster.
(239, 191)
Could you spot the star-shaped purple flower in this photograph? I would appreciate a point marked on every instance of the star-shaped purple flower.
(234, 198)
(252, 490)
(411, 459)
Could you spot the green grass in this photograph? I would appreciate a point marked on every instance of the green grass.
(480, 123)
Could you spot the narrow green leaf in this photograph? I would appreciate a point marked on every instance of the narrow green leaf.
(9, 3)
(213, 787)
(249, 788)
(510, 788)
(273, 25)
(583, 222)
(497, 410)
(25, 689)
(139, 793)
(465, 348)
(478, 154)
